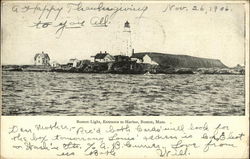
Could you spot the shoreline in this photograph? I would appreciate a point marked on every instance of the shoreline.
(148, 70)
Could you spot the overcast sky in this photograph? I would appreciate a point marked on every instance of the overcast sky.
(208, 34)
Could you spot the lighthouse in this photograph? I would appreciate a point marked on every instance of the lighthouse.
(127, 51)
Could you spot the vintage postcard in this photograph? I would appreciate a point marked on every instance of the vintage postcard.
(125, 79)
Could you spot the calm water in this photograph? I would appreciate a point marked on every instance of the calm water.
(40, 93)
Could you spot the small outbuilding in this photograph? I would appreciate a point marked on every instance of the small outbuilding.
(143, 59)
(54, 64)
(73, 62)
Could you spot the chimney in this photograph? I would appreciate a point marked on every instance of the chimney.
(100, 52)
(105, 52)
(133, 51)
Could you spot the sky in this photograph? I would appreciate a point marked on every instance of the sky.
(214, 30)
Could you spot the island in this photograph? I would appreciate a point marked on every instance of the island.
(137, 63)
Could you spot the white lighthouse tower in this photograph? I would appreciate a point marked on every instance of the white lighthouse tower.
(127, 40)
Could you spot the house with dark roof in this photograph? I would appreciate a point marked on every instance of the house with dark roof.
(121, 58)
(42, 59)
(103, 57)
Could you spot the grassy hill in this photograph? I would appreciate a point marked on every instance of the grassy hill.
(181, 61)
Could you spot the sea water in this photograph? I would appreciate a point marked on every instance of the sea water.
(79, 94)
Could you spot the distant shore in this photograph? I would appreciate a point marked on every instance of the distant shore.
(121, 68)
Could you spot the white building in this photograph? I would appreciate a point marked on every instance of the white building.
(147, 59)
(73, 62)
(126, 40)
(54, 64)
(41, 59)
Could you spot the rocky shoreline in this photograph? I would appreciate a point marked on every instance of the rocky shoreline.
(124, 68)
